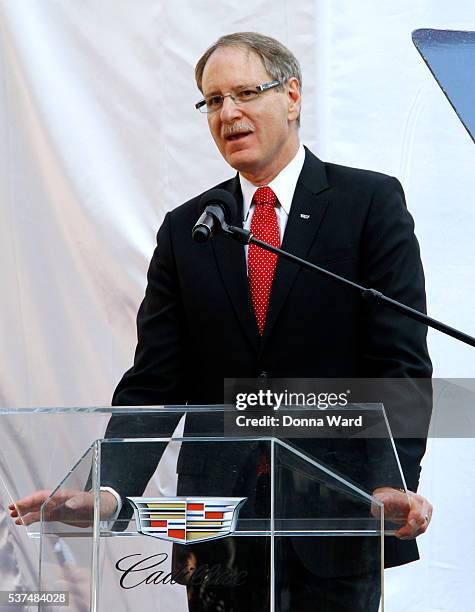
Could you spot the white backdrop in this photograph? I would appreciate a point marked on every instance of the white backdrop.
(99, 138)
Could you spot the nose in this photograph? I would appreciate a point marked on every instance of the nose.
(229, 111)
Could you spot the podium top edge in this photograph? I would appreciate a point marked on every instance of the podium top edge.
(160, 410)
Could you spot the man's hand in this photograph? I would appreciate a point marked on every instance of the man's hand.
(67, 506)
(413, 511)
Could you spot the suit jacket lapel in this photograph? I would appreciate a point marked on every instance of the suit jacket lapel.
(231, 262)
(308, 208)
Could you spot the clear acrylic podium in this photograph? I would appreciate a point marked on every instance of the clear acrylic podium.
(225, 522)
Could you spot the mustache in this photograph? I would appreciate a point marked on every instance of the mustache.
(236, 128)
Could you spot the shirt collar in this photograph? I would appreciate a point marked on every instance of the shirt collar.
(283, 185)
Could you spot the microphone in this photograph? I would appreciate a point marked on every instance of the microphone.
(219, 207)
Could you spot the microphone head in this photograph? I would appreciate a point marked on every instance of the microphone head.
(201, 234)
(222, 198)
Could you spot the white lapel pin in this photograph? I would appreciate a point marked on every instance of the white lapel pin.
(302, 216)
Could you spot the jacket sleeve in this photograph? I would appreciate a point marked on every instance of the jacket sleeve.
(156, 378)
(395, 345)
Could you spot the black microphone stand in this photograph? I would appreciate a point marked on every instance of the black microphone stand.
(245, 237)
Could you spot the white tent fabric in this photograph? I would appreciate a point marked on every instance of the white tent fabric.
(99, 138)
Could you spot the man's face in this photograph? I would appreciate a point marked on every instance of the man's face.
(257, 138)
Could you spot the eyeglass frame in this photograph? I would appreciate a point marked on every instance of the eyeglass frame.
(258, 89)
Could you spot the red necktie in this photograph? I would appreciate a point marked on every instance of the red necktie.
(260, 263)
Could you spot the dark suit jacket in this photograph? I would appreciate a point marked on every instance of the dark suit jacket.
(196, 325)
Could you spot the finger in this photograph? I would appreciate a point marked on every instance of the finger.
(420, 513)
(427, 511)
(418, 521)
(415, 526)
(423, 519)
(406, 533)
(28, 519)
(32, 502)
(24, 506)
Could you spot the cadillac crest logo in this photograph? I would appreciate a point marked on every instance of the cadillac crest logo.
(186, 519)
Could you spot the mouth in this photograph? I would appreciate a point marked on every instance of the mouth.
(240, 136)
(237, 131)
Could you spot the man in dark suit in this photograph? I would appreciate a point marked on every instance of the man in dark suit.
(203, 319)
(218, 310)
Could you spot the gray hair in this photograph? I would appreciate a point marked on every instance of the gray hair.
(279, 61)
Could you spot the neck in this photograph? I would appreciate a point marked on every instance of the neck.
(265, 175)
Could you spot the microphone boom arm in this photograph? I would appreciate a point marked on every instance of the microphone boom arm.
(245, 237)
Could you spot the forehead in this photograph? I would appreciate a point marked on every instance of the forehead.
(229, 67)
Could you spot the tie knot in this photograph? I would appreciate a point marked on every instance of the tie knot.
(265, 195)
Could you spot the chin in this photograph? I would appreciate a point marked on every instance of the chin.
(242, 161)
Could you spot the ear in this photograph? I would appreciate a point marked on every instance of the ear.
(294, 99)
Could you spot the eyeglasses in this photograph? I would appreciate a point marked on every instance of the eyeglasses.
(211, 104)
